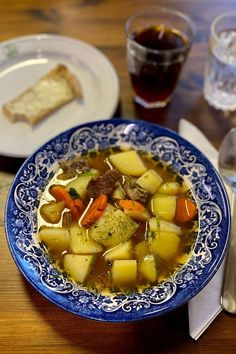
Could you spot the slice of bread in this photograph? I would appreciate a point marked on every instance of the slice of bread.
(58, 87)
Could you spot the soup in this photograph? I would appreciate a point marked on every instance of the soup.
(117, 220)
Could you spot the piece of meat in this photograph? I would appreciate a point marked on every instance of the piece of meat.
(105, 184)
(134, 191)
(72, 166)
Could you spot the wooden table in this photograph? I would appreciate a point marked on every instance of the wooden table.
(28, 322)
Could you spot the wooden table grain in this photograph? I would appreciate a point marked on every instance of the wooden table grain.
(29, 323)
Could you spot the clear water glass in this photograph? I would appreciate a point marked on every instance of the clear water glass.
(220, 72)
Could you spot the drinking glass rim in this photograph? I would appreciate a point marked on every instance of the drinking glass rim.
(151, 12)
(217, 19)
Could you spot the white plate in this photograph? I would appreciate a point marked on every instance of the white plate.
(25, 59)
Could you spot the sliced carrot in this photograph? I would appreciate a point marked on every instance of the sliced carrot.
(59, 193)
(78, 202)
(95, 210)
(186, 210)
(131, 205)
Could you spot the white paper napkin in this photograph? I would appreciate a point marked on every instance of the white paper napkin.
(205, 306)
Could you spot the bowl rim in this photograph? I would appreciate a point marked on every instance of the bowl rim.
(129, 316)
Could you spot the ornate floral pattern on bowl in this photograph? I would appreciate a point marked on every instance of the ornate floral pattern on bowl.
(163, 144)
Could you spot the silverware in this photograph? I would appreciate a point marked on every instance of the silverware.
(227, 169)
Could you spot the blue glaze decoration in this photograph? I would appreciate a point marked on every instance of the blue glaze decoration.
(161, 143)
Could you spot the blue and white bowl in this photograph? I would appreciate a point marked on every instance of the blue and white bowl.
(187, 160)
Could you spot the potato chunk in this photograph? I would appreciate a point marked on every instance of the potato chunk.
(150, 181)
(55, 238)
(164, 244)
(156, 224)
(128, 163)
(164, 206)
(171, 188)
(141, 250)
(81, 243)
(118, 193)
(147, 268)
(112, 228)
(51, 212)
(78, 266)
(122, 251)
(124, 272)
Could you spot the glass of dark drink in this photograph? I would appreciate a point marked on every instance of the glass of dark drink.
(158, 42)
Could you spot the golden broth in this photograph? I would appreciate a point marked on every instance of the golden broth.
(100, 277)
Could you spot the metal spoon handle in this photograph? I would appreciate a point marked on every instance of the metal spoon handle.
(228, 296)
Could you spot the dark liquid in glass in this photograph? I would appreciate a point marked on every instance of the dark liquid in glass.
(155, 78)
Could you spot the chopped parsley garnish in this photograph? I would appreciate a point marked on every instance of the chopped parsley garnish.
(152, 235)
(73, 193)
